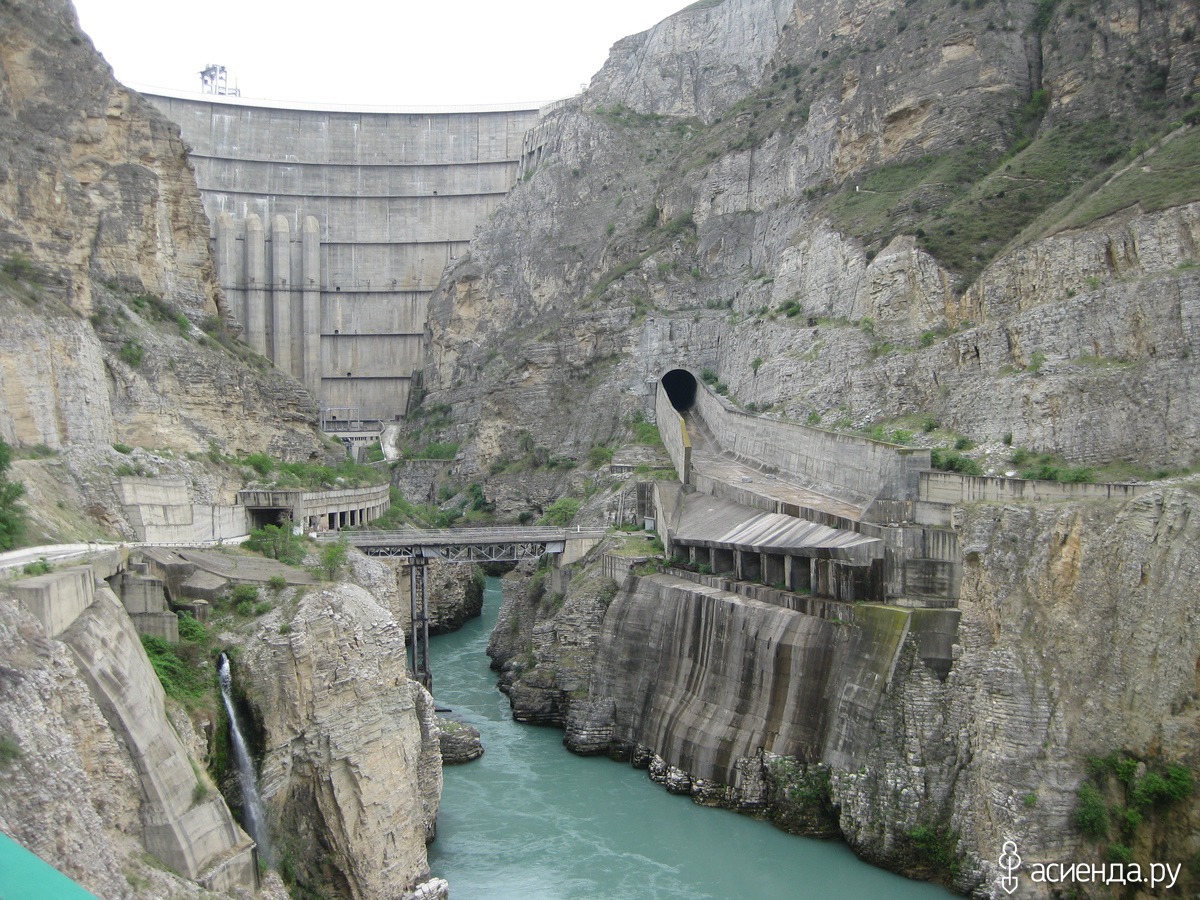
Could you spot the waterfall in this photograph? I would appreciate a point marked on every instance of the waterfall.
(256, 822)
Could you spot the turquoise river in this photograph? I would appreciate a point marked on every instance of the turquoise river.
(530, 820)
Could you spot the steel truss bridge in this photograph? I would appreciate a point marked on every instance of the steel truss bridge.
(415, 547)
(466, 545)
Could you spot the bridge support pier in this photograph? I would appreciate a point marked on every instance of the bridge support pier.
(418, 593)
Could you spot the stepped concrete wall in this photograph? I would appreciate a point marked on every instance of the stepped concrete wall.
(840, 463)
(332, 227)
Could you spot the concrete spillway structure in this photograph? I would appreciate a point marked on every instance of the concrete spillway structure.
(332, 227)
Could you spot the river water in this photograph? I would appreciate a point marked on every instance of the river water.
(530, 820)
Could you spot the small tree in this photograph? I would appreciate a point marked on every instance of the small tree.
(12, 516)
(333, 559)
(277, 542)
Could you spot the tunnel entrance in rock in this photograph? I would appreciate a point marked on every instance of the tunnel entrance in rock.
(680, 385)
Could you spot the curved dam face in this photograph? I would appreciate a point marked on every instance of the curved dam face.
(332, 228)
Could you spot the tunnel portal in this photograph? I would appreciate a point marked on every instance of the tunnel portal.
(680, 385)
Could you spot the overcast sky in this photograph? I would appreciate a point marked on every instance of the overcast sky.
(397, 53)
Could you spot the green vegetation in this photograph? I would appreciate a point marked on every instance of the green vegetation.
(952, 461)
(1166, 180)
(1116, 798)
(561, 512)
(599, 456)
(333, 559)
(644, 432)
(277, 542)
(184, 668)
(314, 476)
(12, 514)
(131, 353)
(967, 205)
(934, 849)
(10, 751)
(41, 567)
(432, 450)
(18, 266)
(1048, 467)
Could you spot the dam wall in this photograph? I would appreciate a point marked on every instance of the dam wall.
(332, 227)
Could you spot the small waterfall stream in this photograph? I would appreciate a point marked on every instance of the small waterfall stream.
(256, 821)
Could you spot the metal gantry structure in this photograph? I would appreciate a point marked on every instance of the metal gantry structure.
(456, 545)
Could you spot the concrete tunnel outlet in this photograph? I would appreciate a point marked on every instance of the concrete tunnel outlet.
(680, 385)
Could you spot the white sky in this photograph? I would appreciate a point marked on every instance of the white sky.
(399, 53)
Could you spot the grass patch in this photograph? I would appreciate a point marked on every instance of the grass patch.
(1166, 178)
(965, 206)
(184, 669)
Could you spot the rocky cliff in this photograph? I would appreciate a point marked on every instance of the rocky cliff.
(974, 214)
(351, 766)
(1075, 654)
(96, 774)
(115, 326)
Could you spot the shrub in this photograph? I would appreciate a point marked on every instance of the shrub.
(561, 511)
(1092, 815)
(277, 583)
(131, 354)
(180, 680)
(122, 448)
(333, 558)
(18, 266)
(12, 515)
(952, 461)
(599, 456)
(244, 593)
(278, 543)
(41, 567)
(260, 463)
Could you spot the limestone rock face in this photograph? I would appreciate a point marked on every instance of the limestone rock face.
(695, 62)
(95, 185)
(351, 770)
(665, 225)
(99, 211)
(1078, 638)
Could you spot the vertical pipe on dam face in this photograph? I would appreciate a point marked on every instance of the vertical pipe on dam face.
(310, 254)
(228, 274)
(256, 285)
(281, 283)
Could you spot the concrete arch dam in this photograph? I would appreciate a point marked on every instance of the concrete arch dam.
(332, 227)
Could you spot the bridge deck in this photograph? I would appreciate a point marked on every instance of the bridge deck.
(500, 544)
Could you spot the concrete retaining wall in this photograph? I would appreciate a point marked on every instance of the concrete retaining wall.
(952, 488)
(674, 435)
(57, 599)
(187, 834)
(841, 464)
(161, 511)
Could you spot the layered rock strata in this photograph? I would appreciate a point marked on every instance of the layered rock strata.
(351, 766)
(877, 723)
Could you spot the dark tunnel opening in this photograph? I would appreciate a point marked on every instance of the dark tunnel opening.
(680, 386)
